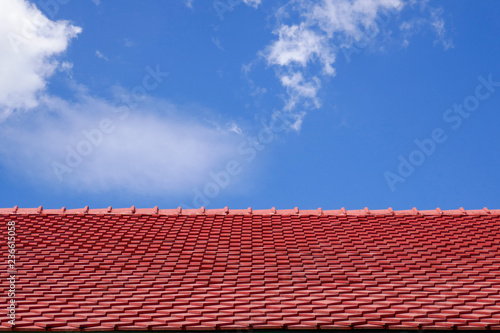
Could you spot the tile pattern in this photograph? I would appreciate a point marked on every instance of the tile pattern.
(134, 271)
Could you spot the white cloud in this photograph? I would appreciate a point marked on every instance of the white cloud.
(298, 44)
(155, 149)
(29, 44)
(348, 17)
(324, 27)
(189, 3)
(298, 88)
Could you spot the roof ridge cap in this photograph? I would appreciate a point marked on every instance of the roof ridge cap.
(249, 211)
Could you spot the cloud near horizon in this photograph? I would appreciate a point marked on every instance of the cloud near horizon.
(90, 143)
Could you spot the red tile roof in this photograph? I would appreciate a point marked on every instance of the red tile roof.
(132, 269)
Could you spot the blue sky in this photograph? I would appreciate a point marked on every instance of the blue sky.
(345, 103)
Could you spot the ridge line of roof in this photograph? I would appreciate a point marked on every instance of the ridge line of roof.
(226, 211)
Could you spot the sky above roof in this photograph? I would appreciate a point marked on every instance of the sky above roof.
(332, 103)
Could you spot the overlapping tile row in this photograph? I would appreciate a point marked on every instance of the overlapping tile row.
(180, 272)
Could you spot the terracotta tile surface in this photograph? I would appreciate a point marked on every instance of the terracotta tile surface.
(151, 269)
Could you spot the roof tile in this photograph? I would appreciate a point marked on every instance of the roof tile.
(200, 269)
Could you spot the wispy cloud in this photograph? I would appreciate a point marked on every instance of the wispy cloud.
(310, 35)
(300, 89)
(299, 45)
(430, 18)
(217, 43)
(154, 149)
(438, 24)
(323, 28)
(67, 67)
(233, 127)
(253, 3)
(129, 43)
(101, 56)
(223, 6)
